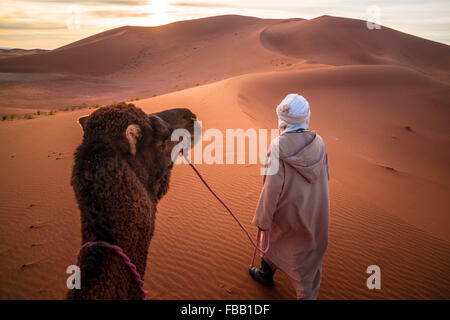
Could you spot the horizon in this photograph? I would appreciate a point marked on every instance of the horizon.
(49, 24)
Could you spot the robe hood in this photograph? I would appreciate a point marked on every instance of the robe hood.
(305, 152)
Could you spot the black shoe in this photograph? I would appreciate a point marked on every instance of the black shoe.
(263, 275)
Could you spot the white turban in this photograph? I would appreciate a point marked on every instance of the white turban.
(293, 113)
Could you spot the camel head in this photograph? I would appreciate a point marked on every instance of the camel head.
(142, 140)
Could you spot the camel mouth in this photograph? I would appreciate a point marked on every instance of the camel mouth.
(192, 116)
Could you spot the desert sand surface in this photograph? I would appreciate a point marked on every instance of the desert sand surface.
(379, 98)
(5, 53)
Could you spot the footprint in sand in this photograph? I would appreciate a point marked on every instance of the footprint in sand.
(57, 155)
(37, 245)
(388, 168)
(227, 288)
(28, 265)
(34, 226)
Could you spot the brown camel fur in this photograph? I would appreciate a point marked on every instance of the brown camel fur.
(121, 171)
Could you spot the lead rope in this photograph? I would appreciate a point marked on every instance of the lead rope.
(258, 237)
(125, 258)
(136, 274)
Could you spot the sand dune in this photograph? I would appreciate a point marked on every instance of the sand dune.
(145, 61)
(150, 60)
(125, 48)
(362, 116)
(5, 53)
(381, 109)
(337, 41)
(373, 205)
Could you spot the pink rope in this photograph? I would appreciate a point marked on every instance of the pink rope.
(258, 239)
(124, 257)
(266, 233)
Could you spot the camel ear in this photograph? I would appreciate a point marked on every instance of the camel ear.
(133, 134)
(82, 121)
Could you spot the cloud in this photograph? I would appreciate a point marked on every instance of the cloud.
(201, 4)
(98, 2)
(32, 26)
(429, 19)
(117, 14)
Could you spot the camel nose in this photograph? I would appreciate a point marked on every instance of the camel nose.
(193, 117)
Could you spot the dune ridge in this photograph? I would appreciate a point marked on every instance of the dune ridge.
(144, 61)
(336, 41)
(382, 110)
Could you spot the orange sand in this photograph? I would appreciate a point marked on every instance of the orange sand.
(389, 185)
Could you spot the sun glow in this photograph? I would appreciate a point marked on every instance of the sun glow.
(158, 12)
(51, 24)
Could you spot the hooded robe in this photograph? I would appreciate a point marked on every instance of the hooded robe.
(294, 208)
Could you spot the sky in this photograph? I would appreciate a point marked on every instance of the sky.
(49, 24)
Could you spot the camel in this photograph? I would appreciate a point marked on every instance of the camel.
(121, 171)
